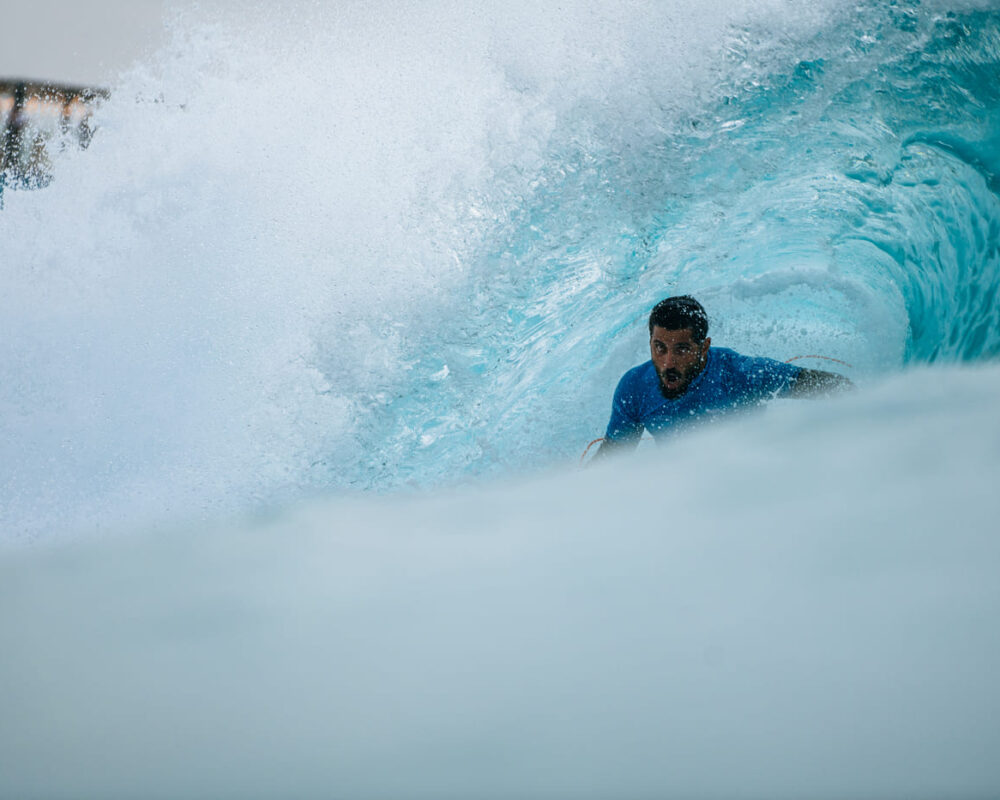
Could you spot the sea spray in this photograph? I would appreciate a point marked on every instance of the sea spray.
(313, 250)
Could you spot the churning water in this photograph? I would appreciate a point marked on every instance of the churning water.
(329, 250)
(343, 252)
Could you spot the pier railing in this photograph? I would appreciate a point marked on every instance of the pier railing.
(36, 117)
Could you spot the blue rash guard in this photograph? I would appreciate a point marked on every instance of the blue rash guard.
(728, 381)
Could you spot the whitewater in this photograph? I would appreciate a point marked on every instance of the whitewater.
(298, 359)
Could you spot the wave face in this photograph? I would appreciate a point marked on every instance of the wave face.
(369, 250)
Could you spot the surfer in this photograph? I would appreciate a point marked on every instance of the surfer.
(686, 379)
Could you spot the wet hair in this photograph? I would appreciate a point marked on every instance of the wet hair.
(678, 314)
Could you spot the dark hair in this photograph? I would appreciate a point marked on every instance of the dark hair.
(678, 314)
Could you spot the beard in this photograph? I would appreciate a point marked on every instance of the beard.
(674, 382)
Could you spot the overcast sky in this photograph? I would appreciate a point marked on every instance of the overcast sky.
(76, 41)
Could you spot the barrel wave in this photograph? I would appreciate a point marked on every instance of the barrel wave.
(297, 360)
(285, 267)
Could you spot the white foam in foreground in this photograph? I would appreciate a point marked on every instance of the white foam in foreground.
(801, 605)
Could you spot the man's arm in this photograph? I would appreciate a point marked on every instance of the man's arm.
(625, 426)
(615, 446)
(813, 382)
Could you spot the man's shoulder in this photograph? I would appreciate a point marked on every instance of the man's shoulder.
(643, 370)
(767, 373)
(639, 387)
(639, 375)
(729, 358)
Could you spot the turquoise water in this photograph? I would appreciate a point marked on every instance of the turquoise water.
(336, 250)
(328, 262)
(843, 203)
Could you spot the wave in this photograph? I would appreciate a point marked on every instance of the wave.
(349, 252)
(339, 250)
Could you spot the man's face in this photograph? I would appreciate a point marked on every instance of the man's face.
(677, 358)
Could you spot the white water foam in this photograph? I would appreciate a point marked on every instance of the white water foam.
(799, 604)
(214, 307)
(218, 295)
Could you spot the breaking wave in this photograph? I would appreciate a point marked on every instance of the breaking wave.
(367, 250)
